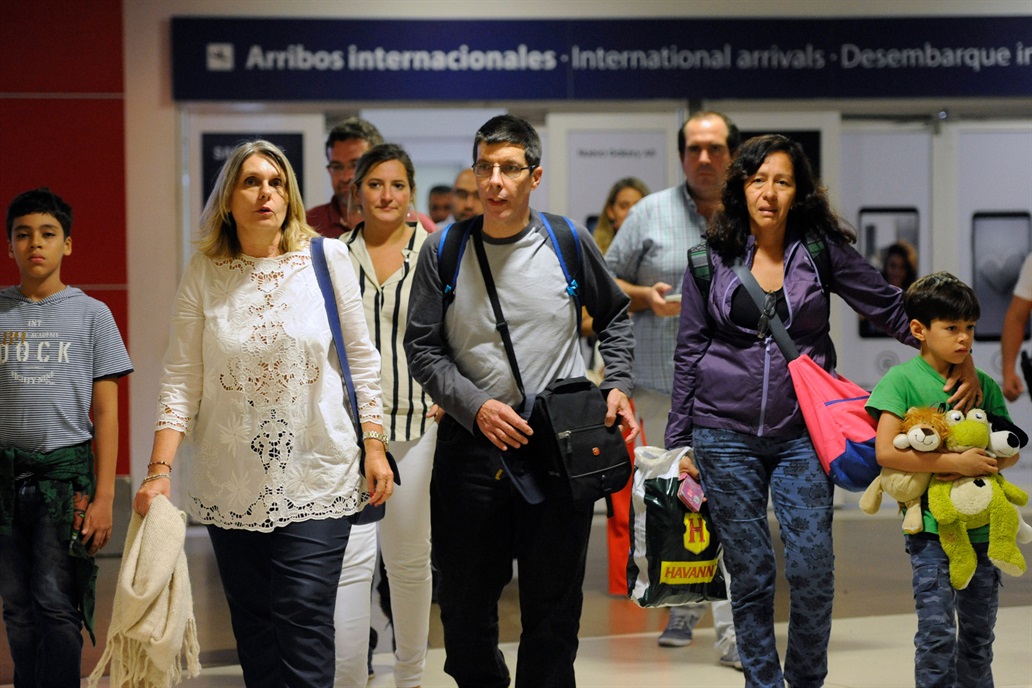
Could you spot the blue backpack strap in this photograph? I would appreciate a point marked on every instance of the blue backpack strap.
(449, 256)
(568, 250)
(322, 275)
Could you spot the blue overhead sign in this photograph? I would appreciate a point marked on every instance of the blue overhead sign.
(234, 59)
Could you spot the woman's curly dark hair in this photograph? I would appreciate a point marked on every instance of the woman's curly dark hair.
(811, 214)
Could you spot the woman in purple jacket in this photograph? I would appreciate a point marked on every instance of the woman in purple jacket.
(734, 402)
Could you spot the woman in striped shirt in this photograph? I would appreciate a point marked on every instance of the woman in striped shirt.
(383, 250)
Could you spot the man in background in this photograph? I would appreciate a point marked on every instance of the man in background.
(439, 203)
(649, 256)
(344, 146)
(465, 197)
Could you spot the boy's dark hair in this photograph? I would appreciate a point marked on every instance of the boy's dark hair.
(354, 128)
(510, 129)
(439, 189)
(940, 296)
(43, 201)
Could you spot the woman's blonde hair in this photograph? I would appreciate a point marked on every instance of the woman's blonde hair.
(604, 231)
(218, 236)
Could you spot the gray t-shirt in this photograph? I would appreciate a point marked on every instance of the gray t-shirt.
(51, 352)
(540, 319)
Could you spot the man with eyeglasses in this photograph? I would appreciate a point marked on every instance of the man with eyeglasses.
(649, 256)
(480, 519)
(344, 146)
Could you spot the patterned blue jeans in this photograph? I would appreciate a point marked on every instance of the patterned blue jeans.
(954, 637)
(738, 472)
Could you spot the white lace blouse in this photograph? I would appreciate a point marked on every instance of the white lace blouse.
(252, 378)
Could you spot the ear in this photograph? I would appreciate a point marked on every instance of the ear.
(10, 249)
(917, 329)
(535, 178)
(68, 246)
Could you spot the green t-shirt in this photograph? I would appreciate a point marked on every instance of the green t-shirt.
(915, 383)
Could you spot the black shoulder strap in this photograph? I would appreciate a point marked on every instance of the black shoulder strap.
(702, 270)
(500, 323)
(777, 328)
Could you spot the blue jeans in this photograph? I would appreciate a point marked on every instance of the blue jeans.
(41, 610)
(282, 587)
(738, 471)
(479, 522)
(954, 638)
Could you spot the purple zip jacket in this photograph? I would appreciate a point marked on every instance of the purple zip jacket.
(727, 378)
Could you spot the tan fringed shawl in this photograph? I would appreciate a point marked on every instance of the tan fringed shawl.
(152, 640)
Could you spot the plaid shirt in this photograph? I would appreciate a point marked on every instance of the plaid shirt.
(652, 246)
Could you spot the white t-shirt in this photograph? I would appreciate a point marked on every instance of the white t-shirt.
(1023, 287)
(252, 377)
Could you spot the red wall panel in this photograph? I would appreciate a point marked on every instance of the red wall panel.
(62, 125)
(76, 147)
(61, 46)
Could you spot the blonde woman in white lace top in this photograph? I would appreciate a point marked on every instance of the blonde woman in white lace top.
(251, 376)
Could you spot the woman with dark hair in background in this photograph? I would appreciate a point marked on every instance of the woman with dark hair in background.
(733, 399)
(899, 266)
(252, 375)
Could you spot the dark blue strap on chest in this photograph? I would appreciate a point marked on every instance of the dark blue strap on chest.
(322, 275)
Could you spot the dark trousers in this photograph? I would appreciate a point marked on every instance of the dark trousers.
(41, 610)
(479, 523)
(281, 587)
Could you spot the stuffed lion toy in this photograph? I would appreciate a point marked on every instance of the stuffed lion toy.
(923, 429)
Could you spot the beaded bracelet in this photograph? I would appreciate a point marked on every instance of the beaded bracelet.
(157, 476)
(160, 463)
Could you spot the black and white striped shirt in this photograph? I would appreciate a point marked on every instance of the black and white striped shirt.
(405, 404)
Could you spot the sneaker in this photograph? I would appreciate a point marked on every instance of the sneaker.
(678, 632)
(731, 658)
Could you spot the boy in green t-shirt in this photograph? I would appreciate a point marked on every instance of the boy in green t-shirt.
(954, 627)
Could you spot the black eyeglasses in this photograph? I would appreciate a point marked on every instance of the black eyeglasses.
(769, 312)
(483, 170)
(337, 168)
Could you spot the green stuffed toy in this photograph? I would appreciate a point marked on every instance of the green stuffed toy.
(968, 503)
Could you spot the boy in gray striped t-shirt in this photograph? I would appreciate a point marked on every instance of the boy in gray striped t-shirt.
(60, 357)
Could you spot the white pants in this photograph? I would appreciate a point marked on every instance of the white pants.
(654, 408)
(405, 547)
(351, 612)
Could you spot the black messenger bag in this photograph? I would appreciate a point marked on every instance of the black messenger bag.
(571, 452)
(589, 460)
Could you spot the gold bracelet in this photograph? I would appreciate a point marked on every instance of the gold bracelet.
(156, 476)
(371, 435)
(160, 463)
